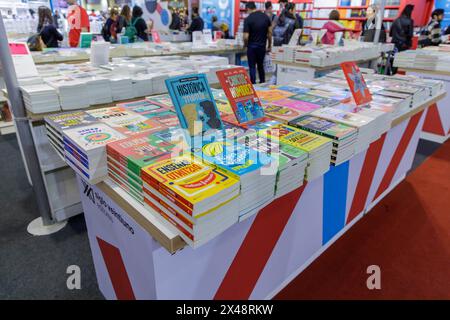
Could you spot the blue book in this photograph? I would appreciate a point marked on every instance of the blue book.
(194, 101)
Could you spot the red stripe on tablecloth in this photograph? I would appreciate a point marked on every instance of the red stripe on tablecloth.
(366, 177)
(433, 123)
(255, 250)
(116, 270)
(398, 154)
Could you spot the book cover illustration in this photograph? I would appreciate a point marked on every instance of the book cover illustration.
(239, 90)
(194, 102)
(294, 89)
(355, 80)
(92, 136)
(66, 120)
(325, 127)
(273, 94)
(162, 99)
(298, 105)
(224, 106)
(282, 113)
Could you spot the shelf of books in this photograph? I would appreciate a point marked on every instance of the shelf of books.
(237, 172)
(352, 12)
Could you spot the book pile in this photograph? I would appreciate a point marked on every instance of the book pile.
(40, 98)
(125, 121)
(121, 87)
(255, 170)
(153, 110)
(365, 125)
(73, 94)
(98, 88)
(56, 124)
(344, 137)
(282, 113)
(292, 161)
(85, 150)
(127, 157)
(200, 200)
(319, 148)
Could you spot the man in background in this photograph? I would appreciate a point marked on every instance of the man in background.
(197, 23)
(257, 34)
(78, 21)
(431, 34)
(269, 12)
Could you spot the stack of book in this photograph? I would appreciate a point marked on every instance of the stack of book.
(365, 125)
(56, 124)
(99, 88)
(343, 136)
(282, 113)
(200, 200)
(40, 98)
(85, 150)
(255, 170)
(125, 121)
(121, 87)
(292, 161)
(73, 94)
(319, 148)
(127, 157)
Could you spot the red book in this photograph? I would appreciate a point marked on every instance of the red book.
(242, 96)
(356, 82)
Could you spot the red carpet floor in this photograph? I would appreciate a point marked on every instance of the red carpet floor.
(407, 235)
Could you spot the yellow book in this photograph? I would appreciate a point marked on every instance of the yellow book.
(189, 182)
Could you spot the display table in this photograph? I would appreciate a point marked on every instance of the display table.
(436, 127)
(288, 72)
(137, 257)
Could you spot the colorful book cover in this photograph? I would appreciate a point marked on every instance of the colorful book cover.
(298, 105)
(242, 96)
(105, 114)
(194, 102)
(281, 113)
(322, 101)
(92, 136)
(162, 99)
(188, 178)
(273, 94)
(294, 89)
(134, 124)
(139, 151)
(67, 120)
(355, 80)
(323, 127)
(144, 107)
(233, 157)
(351, 119)
(224, 106)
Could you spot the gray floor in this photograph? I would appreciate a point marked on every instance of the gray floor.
(35, 267)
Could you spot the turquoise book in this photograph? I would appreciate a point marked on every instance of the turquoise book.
(194, 102)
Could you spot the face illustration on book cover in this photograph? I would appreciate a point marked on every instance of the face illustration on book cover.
(355, 80)
(240, 92)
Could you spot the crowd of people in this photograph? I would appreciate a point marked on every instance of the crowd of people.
(262, 30)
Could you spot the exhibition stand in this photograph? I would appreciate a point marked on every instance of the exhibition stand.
(137, 257)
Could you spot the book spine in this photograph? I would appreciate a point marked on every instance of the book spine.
(320, 133)
(172, 199)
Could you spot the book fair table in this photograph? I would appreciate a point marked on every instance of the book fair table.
(436, 127)
(137, 256)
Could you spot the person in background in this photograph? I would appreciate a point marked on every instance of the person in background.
(32, 13)
(78, 21)
(139, 23)
(197, 23)
(225, 31)
(109, 30)
(369, 26)
(283, 4)
(46, 28)
(215, 24)
(431, 34)
(92, 14)
(56, 18)
(257, 35)
(332, 26)
(286, 24)
(175, 24)
(402, 29)
(124, 18)
(269, 12)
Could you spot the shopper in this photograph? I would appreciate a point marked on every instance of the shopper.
(257, 34)
(78, 21)
(369, 26)
(92, 14)
(109, 30)
(402, 29)
(332, 26)
(431, 34)
(124, 18)
(286, 24)
(56, 18)
(175, 24)
(46, 28)
(269, 12)
(225, 31)
(197, 23)
(139, 24)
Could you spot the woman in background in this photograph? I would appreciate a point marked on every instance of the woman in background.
(332, 26)
(109, 31)
(124, 18)
(46, 29)
(370, 25)
(402, 29)
(139, 23)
